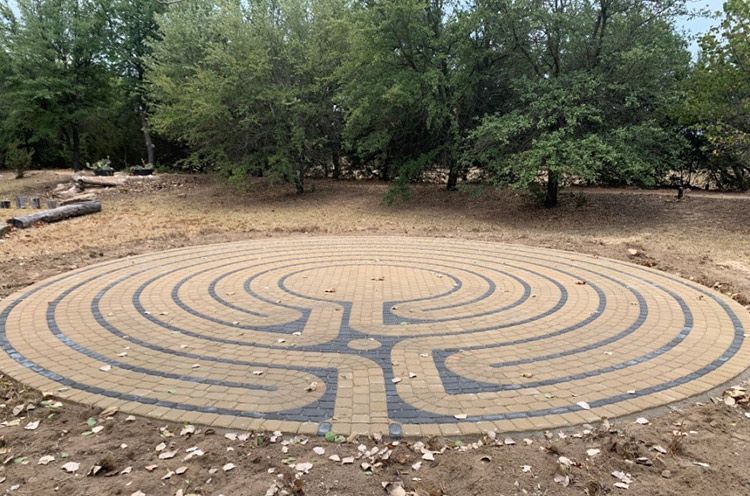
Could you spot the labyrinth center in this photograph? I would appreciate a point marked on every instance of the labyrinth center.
(397, 335)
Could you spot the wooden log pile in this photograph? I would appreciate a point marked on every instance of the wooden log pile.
(75, 198)
(82, 184)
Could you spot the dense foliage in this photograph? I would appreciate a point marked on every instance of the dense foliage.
(718, 107)
(534, 94)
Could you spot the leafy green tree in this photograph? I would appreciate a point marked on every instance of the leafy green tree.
(6, 133)
(18, 158)
(132, 28)
(718, 106)
(245, 86)
(59, 88)
(591, 96)
(400, 89)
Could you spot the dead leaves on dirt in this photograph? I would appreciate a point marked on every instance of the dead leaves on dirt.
(619, 458)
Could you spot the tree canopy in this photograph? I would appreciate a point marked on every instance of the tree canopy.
(533, 94)
(718, 103)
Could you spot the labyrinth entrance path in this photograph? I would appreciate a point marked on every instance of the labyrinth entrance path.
(398, 335)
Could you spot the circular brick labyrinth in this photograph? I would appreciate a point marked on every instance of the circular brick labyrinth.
(404, 336)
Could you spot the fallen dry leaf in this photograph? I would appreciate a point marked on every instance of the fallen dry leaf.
(563, 480)
(109, 412)
(187, 430)
(167, 455)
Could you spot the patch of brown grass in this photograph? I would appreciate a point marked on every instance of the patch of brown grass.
(706, 237)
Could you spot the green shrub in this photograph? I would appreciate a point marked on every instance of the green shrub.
(18, 158)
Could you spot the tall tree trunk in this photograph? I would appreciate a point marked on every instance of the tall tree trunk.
(453, 178)
(385, 173)
(76, 148)
(336, 164)
(299, 180)
(150, 152)
(553, 185)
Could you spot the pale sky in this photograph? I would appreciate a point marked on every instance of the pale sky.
(699, 25)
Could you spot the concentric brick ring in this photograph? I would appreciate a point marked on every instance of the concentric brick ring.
(405, 336)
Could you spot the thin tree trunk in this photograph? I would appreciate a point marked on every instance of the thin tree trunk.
(150, 152)
(299, 181)
(76, 148)
(553, 185)
(336, 164)
(453, 178)
(385, 172)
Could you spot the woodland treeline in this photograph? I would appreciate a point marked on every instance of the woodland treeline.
(532, 94)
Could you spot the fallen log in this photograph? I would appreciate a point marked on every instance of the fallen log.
(71, 191)
(78, 199)
(56, 214)
(98, 182)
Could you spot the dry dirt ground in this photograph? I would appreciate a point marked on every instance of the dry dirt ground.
(695, 449)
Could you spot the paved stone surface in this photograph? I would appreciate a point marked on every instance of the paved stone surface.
(405, 336)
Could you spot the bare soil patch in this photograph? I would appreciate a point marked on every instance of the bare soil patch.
(705, 237)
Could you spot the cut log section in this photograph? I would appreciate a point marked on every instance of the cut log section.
(56, 214)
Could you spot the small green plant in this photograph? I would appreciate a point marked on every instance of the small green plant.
(142, 170)
(18, 158)
(103, 166)
(398, 192)
(581, 200)
(332, 437)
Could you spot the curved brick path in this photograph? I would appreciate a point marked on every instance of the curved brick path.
(405, 336)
